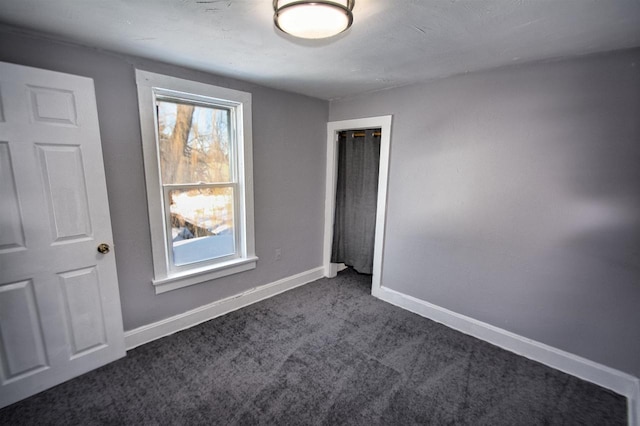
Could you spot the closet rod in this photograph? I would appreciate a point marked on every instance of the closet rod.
(362, 134)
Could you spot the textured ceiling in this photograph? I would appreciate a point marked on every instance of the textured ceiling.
(391, 43)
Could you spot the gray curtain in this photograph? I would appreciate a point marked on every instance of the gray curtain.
(356, 198)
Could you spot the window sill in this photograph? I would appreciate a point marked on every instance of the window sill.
(200, 275)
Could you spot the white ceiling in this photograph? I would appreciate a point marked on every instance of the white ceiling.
(391, 43)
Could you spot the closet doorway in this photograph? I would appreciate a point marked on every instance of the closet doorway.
(383, 123)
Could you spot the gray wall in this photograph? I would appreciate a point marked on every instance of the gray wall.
(514, 198)
(288, 150)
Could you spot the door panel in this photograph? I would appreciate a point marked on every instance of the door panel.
(20, 332)
(85, 323)
(65, 189)
(52, 106)
(12, 236)
(59, 302)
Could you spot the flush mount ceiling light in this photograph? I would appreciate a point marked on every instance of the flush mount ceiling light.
(313, 19)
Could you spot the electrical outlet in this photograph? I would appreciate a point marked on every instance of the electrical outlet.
(278, 254)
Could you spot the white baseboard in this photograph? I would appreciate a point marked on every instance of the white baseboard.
(147, 333)
(617, 381)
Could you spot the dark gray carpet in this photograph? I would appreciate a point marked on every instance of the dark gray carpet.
(325, 353)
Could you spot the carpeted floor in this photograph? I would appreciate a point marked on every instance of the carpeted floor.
(325, 353)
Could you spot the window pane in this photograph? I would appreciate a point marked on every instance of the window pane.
(202, 225)
(193, 143)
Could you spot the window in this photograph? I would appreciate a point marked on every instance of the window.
(197, 158)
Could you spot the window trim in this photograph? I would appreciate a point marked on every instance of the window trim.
(152, 84)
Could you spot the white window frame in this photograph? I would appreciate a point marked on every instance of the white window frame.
(166, 276)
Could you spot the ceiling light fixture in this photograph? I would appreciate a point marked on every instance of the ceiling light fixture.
(313, 18)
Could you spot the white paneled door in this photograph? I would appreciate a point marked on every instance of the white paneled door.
(59, 303)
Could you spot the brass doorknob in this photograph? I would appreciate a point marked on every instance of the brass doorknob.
(103, 248)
